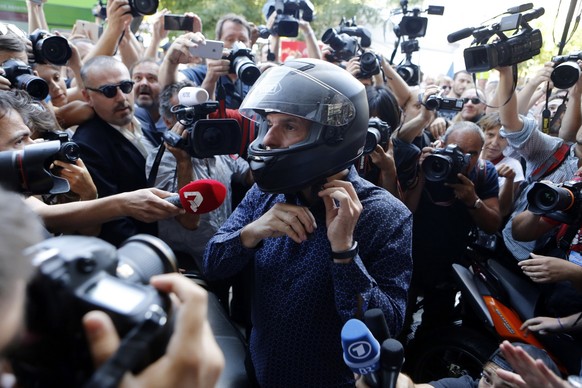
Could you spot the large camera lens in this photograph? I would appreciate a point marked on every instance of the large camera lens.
(33, 85)
(246, 70)
(69, 152)
(545, 198)
(143, 256)
(331, 38)
(565, 75)
(432, 103)
(437, 167)
(373, 138)
(369, 65)
(143, 7)
(53, 49)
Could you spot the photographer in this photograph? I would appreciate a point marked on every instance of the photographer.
(192, 358)
(446, 208)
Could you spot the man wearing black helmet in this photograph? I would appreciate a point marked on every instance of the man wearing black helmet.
(326, 244)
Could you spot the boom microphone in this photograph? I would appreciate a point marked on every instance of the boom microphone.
(199, 197)
(361, 349)
(461, 34)
(192, 95)
(392, 359)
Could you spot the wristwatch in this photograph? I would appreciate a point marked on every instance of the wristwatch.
(349, 254)
(477, 205)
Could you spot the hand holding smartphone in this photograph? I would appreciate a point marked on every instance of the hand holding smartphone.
(212, 49)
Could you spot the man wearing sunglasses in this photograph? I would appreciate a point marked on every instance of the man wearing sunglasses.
(474, 105)
(113, 144)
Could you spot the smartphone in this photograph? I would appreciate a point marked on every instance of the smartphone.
(212, 49)
(90, 29)
(178, 22)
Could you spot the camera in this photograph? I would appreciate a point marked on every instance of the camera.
(75, 275)
(206, 137)
(242, 63)
(566, 70)
(21, 77)
(378, 134)
(28, 170)
(435, 102)
(523, 45)
(560, 202)
(69, 151)
(138, 8)
(48, 48)
(444, 164)
(344, 40)
(369, 65)
(288, 12)
(409, 72)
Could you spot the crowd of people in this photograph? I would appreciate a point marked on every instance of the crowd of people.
(318, 225)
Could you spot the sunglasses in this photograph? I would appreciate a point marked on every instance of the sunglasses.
(110, 91)
(474, 100)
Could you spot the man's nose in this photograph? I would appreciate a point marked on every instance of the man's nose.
(272, 138)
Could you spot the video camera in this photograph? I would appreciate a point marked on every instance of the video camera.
(444, 164)
(558, 201)
(49, 48)
(435, 102)
(378, 134)
(344, 40)
(21, 77)
(566, 70)
(411, 26)
(207, 137)
(75, 275)
(242, 63)
(288, 13)
(28, 170)
(524, 44)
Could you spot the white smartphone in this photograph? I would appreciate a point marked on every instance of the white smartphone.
(212, 49)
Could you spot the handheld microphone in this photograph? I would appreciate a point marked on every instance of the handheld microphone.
(461, 34)
(199, 197)
(392, 359)
(376, 322)
(190, 96)
(361, 349)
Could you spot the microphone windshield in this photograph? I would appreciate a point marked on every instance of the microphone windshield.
(202, 196)
(361, 349)
(191, 95)
(392, 354)
(376, 322)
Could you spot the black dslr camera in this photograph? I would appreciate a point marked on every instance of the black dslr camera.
(560, 201)
(242, 63)
(138, 8)
(369, 65)
(69, 151)
(378, 133)
(48, 48)
(434, 102)
(566, 70)
(207, 137)
(444, 164)
(521, 46)
(28, 170)
(75, 275)
(21, 77)
(344, 40)
(288, 13)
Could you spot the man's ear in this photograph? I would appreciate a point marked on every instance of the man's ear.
(87, 98)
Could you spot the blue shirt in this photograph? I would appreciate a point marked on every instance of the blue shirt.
(153, 131)
(301, 299)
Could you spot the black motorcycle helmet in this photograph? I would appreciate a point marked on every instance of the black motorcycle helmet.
(323, 93)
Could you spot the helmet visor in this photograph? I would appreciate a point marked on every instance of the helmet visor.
(286, 90)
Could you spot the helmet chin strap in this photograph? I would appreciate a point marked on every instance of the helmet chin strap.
(300, 197)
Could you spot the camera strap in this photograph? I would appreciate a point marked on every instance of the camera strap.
(156, 165)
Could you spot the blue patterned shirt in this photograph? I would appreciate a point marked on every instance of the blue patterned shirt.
(301, 299)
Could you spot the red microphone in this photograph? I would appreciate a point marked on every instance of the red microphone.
(198, 197)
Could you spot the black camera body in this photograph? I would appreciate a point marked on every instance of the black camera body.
(21, 77)
(288, 13)
(242, 63)
(444, 164)
(49, 48)
(409, 71)
(346, 41)
(435, 102)
(138, 8)
(378, 134)
(206, 137)
(369, 65)
(566, 70)
(561, 201)
(78, 274)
